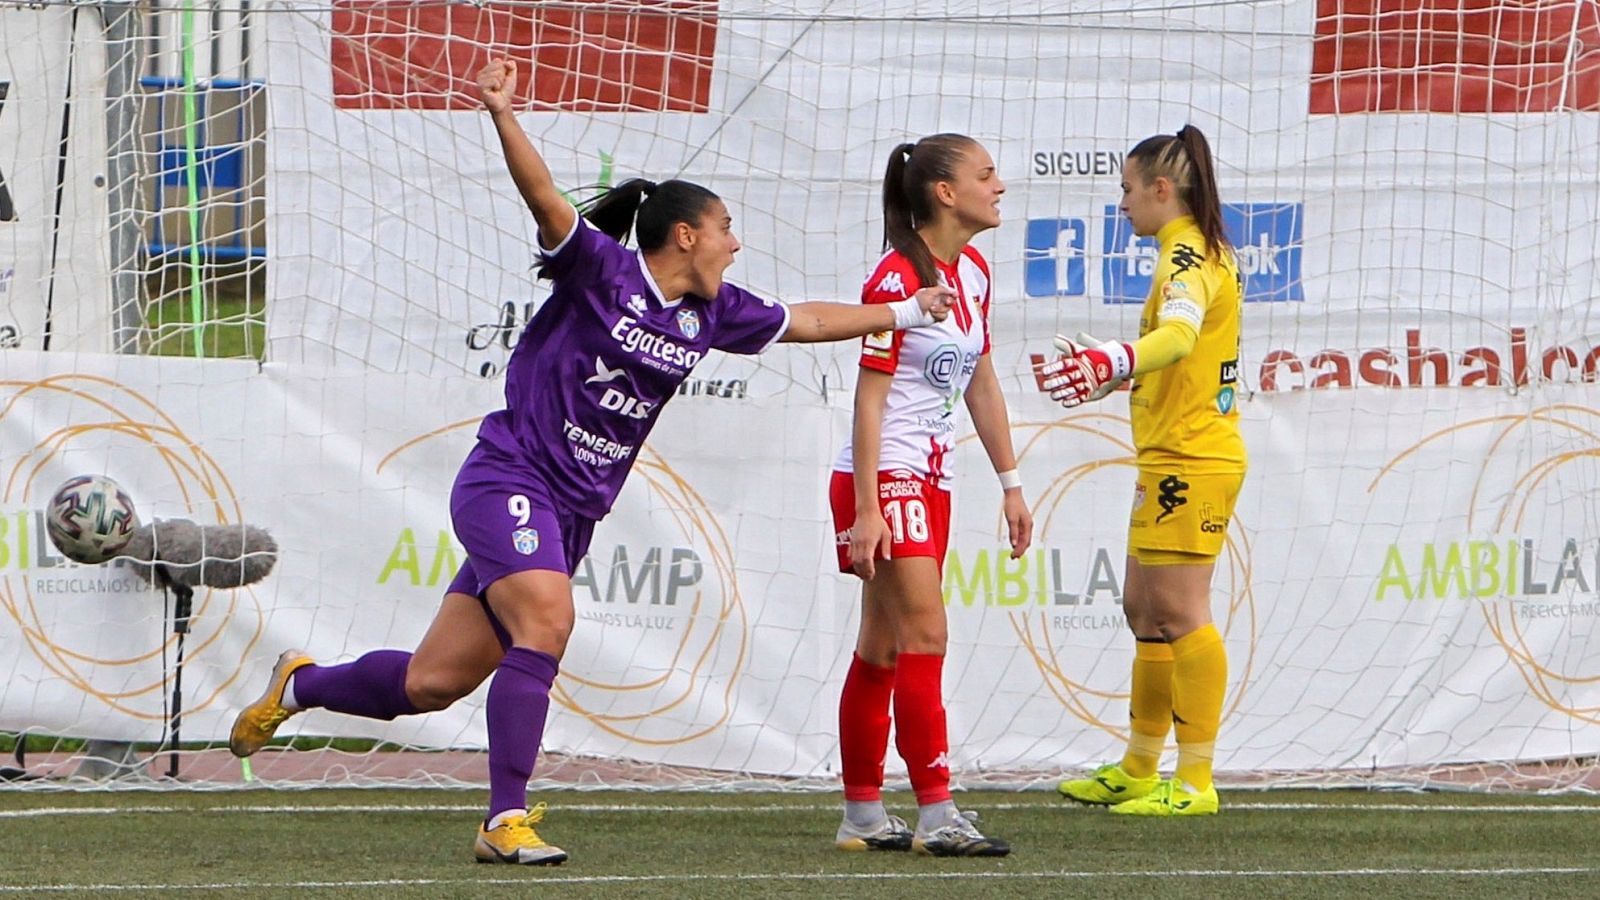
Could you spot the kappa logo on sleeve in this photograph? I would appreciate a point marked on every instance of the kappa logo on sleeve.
(891, 283)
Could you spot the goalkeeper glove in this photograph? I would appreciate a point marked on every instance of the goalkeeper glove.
(1085, 373)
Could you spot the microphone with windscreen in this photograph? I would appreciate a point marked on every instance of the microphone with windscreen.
(187, 553)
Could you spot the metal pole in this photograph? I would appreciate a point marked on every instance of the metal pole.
(124, 27)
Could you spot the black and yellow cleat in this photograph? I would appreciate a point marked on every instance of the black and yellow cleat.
(893, 835)
(1108, 786)
(959, 838)
(514, 841)
(258, 722)
(1172, 798)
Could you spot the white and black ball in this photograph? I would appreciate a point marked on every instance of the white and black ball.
(90, 519)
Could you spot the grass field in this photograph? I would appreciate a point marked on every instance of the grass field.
(418, 844)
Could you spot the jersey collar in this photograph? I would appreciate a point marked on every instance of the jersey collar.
(650, 282)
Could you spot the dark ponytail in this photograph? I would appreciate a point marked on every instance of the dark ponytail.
(908, 195)
(648, 208)
(613, 211)
(1185, 160)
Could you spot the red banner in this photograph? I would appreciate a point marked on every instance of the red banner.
(582, 56)
(1456, 56)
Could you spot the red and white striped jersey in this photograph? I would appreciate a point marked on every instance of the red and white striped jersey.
(931, 366)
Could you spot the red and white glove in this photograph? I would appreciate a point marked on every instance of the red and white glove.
(1088, 369)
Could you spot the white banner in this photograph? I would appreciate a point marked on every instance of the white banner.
(55, 282)
(1407, 248)
(1399, 595)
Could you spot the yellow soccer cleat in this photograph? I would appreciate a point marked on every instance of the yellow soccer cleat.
(260, 720)
(515, 841)
(1108, 786)
(1172, 798)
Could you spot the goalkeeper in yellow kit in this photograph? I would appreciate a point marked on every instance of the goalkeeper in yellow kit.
(1191, 463)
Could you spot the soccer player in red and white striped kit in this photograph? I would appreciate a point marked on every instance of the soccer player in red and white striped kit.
(890, 492)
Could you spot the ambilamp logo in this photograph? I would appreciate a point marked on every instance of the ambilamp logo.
(1043, 577)
(1495, 568)
(76, 423)
(1529, 578)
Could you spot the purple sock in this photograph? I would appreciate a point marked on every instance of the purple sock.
(519, 698)
(373, 686)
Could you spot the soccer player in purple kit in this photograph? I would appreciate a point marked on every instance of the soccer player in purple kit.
(584, 386)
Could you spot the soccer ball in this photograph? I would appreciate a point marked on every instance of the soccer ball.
(90, 519)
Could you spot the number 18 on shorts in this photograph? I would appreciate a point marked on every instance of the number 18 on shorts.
(917, 513)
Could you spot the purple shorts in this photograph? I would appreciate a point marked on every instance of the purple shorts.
(505, 518)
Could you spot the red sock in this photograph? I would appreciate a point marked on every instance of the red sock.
(920, 733)
(864, 728)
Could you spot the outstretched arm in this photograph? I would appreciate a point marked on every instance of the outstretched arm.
(497, 87)
(815, 321)
(1089, 368)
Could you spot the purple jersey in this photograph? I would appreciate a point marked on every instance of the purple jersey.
(600, 358)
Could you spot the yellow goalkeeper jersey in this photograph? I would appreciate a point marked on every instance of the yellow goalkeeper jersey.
(1186, 414)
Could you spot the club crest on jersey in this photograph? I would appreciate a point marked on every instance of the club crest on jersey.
(1138, 496)
(525, 540)
(689, 323)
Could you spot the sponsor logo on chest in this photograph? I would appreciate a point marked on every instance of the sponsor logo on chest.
(658, 347)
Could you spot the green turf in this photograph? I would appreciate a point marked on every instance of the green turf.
(722, 845)
(235, 326)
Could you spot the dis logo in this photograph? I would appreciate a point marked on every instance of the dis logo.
(100, 629)
(1064, 597)
(1536, 480)
(662, 633)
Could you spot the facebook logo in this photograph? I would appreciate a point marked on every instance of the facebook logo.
(1129, 262)
(1053, 258)
(1266, 238)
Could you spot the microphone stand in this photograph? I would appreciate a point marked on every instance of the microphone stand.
(182, 610)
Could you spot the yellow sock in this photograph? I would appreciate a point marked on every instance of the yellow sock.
(1150, 707)
(1199, 679)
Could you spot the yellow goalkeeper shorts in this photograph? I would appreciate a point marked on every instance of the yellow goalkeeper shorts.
(1178, 517)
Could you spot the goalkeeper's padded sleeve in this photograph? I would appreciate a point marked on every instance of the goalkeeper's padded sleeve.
(1169, 342)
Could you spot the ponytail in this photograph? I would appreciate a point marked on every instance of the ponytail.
(648, 208)
(1202, 197)
(908, 196)
(1185, 160)
(899, 219)
(613, 212)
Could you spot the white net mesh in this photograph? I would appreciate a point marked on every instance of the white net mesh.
(1409, 591)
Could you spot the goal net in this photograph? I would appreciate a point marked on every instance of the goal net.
(1410, 589)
